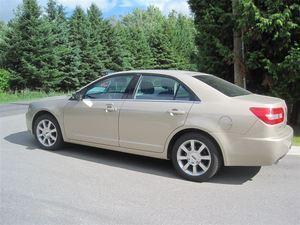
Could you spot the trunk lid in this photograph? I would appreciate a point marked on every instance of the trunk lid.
(261, 100)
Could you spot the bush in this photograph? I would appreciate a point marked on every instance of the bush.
(4, 80)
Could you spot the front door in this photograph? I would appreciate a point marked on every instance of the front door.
(160, 105)
(95, 118)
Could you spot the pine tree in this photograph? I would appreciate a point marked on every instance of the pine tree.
(213, 20)
(163, 54)
(118, 45)
(46, 50)
(181, 33)
(140, 50)
(28, 48)
(52, 10)
(79, 36)
(102, 29)
(96, 53)
(46, 62)
(106, 39)
(68, 59)
(3, 31)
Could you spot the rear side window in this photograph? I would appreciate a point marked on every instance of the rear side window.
(223, 86)
(161, 88)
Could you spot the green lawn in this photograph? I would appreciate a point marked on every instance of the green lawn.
(8, 97)
(296, 139)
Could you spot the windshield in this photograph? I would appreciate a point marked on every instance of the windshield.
(223, 86)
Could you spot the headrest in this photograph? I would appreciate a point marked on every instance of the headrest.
(147, 87)
(167, 83)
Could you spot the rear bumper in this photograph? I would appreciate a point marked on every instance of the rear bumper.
(247, 151)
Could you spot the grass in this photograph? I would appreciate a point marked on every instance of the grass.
(296, 138)
(9, 97)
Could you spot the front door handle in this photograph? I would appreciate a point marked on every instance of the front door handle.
(174, 112)
(110, 108)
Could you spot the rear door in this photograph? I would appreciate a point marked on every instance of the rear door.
(159, 105)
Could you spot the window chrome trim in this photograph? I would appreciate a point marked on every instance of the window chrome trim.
(157, 100)
(84, 89)
(141, 100)
(102, 100)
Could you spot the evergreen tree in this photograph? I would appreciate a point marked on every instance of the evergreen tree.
(178, 30)
(28, 48)
(118, 45)
(3, 31)
(163, 54)
(96, 53)
(181, 33)
(52, 10)
(140, 50)
(100, 30)
(79, 36)
(213, 20)
(68, 59)
(45, 64)
(138, 42)
(49, 51)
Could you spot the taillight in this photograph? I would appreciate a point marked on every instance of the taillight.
(269, 115)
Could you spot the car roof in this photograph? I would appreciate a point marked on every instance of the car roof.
(174, 73)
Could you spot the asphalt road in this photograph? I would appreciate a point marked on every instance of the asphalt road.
(82, 185)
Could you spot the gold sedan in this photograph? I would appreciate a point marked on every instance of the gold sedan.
(197, 120)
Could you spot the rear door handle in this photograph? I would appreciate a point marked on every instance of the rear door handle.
(110, 108)
(174, 112)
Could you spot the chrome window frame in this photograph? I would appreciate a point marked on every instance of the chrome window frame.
(195, 99)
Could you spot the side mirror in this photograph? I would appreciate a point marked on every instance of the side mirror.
(77, 96)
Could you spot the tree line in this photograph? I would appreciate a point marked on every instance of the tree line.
(45, 50)
(253, 43)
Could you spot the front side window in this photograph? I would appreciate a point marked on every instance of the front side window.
(160, 88)
(110, 88)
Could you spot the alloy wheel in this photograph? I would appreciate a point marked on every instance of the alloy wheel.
(46, 133)
(194, 157)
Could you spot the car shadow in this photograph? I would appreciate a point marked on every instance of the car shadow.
(227, 175)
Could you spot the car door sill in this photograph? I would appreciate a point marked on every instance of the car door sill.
(160, 155)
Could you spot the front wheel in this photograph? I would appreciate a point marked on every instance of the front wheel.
(196, 157)
(47, 132)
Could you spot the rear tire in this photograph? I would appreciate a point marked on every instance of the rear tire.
(47, 132)
(196, 157)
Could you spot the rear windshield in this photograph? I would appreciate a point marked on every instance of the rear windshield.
(223, 86)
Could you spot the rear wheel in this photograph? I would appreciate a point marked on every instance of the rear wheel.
(196, 157)
(47, 132)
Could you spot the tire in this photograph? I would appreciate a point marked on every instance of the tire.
(47, 132)
(205, 157)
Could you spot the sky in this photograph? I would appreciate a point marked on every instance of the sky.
(108, 7)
